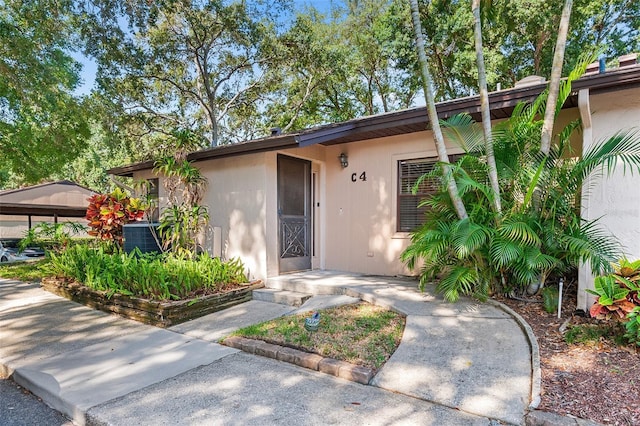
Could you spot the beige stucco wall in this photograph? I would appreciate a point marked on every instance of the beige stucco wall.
(361, 216)
(237, 202)
(237, 205)
(617, 198)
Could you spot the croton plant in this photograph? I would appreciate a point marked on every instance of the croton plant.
(107, 213)
(618, 297)
(617, 292)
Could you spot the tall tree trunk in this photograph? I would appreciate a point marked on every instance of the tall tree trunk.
(433, 113)
(484, 107)
(556, 73)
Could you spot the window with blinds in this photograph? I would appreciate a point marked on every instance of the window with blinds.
(410, 216)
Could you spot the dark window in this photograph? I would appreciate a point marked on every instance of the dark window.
(410, 216)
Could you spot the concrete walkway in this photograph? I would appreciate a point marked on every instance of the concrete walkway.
(463, 363)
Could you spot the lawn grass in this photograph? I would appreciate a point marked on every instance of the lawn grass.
(27, 271)
(362, 334)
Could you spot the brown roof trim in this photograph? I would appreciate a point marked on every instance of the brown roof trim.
(254, 146)
(288, 140)
(615, 79)
(406, 121)
(24, 209)
(129, 169)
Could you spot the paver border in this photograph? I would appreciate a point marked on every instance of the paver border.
(331, 366)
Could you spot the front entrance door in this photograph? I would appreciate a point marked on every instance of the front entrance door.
(294, 214)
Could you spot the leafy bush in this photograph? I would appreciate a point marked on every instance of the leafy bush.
(152, 276)
(633, 326)
(612, 299)
(539, 232)
(550, 299)
(107, 213)
(184, 218)
(53, 236)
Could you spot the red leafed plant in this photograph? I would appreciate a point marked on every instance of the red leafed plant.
(107, 213)
(617, 292)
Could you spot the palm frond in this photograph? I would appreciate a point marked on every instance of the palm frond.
(623, 147)
(516, 229)
(564, 139)
(462, 130)
(469, 237)
(565, 85)
(504, 252)
(591, 243)
(459, 280)
(534, 184)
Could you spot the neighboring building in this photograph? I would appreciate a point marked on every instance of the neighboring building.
(337, 197)
(22, 209)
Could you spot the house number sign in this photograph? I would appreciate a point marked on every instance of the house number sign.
(362, 177)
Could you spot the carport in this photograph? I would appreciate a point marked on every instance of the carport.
(58, 200)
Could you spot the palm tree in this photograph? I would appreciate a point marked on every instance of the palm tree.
(427, 83)
(484, 105)
(536, 237)
(556, 73)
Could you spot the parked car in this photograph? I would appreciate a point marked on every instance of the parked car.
(10, 251)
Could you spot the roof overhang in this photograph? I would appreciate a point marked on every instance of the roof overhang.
(407, 121)
(24, 209)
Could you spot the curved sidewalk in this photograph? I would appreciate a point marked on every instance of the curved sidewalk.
(463, 363)
(472, 356)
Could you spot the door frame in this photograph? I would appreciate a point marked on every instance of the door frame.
(295, 263)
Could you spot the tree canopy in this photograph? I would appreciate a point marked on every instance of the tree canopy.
(229, 71)
(42, 123)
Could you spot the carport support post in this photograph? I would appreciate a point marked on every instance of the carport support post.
(55, 218)
(29, 222)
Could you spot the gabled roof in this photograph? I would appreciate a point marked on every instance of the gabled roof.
(61, 198)
(5, 192)
(408, 120)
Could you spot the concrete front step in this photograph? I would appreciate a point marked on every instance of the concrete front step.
(302, 284)
(283, 297)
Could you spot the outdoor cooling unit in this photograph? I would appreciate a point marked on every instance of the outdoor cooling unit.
(141, 235)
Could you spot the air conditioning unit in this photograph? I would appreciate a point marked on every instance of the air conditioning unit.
(145, 236)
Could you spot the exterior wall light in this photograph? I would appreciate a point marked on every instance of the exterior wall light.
(344, 161)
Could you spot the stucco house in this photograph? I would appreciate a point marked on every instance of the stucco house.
(337, 197)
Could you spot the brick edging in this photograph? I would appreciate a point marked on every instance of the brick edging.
(342, 369)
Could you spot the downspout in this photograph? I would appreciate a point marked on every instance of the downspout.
(585, 278)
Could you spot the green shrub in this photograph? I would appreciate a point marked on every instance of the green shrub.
(539, 232)
(633, 326)
(550, 299)
(153, 276)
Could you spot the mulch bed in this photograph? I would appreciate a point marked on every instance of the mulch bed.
(599, 381)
